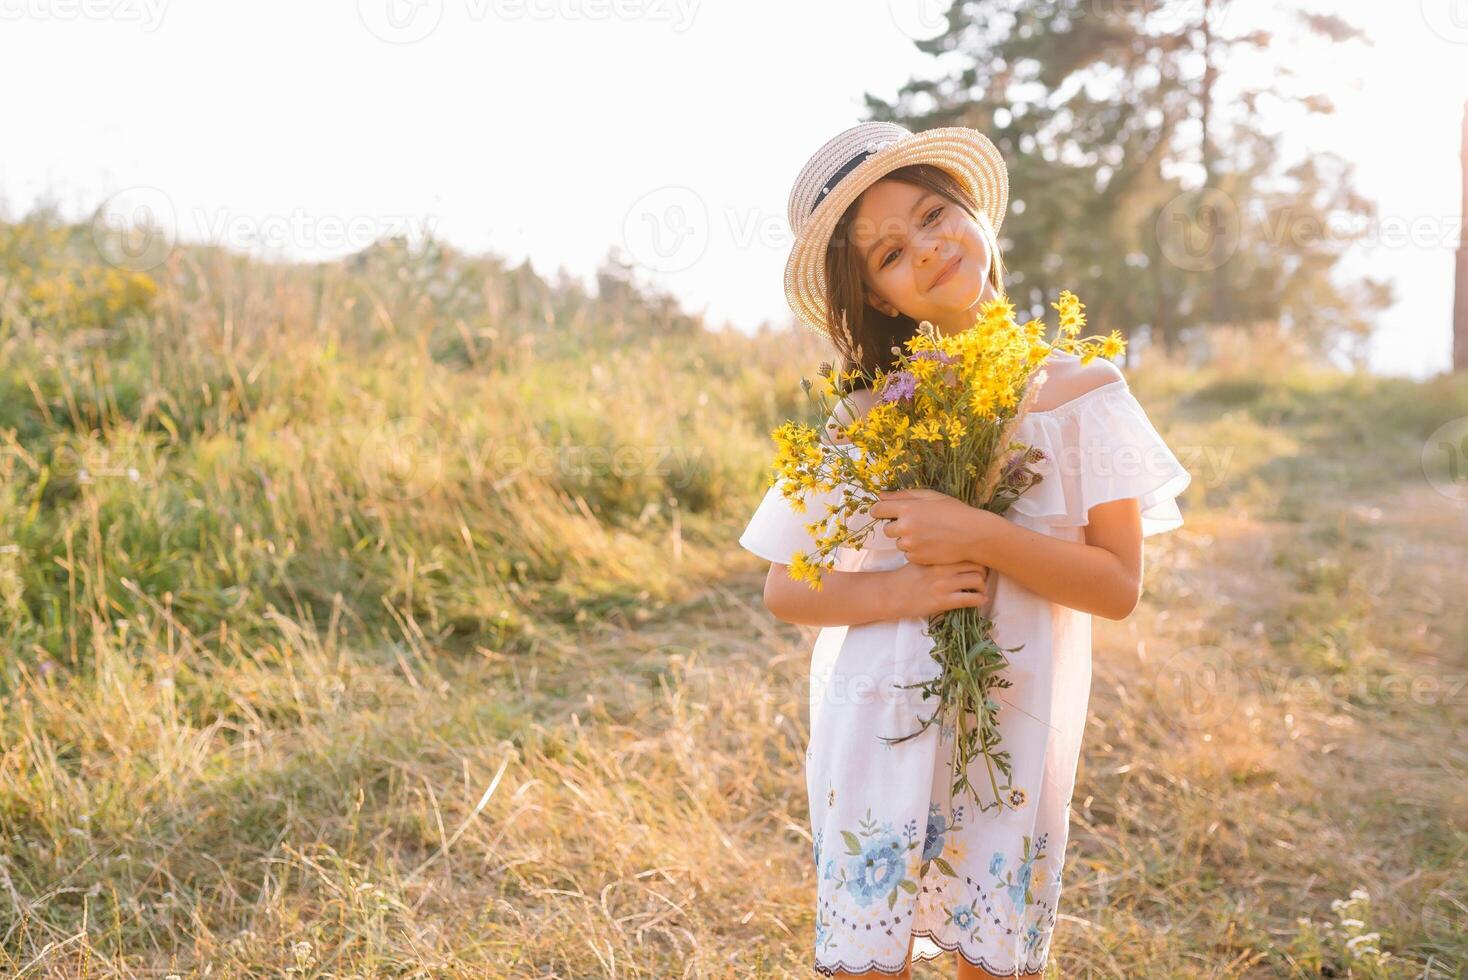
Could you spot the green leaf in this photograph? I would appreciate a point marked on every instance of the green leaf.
(909, 886)
(853, 846)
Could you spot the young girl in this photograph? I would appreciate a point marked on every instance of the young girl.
(893, 228)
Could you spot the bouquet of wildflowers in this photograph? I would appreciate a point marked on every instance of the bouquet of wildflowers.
(945, 418)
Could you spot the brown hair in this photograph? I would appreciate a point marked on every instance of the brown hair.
(863, 336)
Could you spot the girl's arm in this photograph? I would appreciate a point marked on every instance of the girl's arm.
(853, 598)
(1102, 576)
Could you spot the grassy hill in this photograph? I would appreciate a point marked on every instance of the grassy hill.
(385, 618)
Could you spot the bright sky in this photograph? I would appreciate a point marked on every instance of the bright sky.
(558, 129)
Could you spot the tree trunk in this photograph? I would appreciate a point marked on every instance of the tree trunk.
(1460, 295)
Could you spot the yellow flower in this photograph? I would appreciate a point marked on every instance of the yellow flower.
(1000, 307)
(927, 429)
(802, 570)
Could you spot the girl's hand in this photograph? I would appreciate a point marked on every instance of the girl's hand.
(933, 528)
(926, 590)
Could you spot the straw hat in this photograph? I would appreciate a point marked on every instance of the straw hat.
(852, 161)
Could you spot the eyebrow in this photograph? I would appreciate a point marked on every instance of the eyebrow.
(867, 258)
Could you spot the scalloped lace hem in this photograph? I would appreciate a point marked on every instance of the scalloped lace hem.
(874, 966)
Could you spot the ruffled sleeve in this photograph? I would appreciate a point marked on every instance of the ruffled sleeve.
(777, 531)
(1101, 447)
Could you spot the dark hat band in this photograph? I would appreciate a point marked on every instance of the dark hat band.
(837, 177)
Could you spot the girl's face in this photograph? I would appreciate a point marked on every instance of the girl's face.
(921, 255)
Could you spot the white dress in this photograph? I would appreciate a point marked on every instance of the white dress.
(895, 856)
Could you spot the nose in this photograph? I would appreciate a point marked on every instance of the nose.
(929, 255)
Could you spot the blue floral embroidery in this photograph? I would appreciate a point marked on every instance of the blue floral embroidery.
(1017, 883)
(933, 842)
(877, 863)
(824, 938)
(963, 917)
(1032, 939)
(878, 859)
(935, 839)
(1019, 890)
(876, 869)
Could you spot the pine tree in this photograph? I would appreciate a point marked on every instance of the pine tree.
(1143, 172)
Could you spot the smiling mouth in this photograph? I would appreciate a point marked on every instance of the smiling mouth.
(947, 272)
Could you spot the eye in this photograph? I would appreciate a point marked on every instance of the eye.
(927, 220)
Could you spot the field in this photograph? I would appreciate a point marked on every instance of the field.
(385, 619)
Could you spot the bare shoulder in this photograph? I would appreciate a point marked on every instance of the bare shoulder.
(856, 404)
(1067, 379)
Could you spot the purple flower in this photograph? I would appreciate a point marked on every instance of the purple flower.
(900, 385)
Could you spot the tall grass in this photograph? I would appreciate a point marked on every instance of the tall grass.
(384, 618)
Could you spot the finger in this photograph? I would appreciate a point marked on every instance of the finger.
(967, 566)
(971, 599)
(970, 580)
(893, 494)
(971, 587)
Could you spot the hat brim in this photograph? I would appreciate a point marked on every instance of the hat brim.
(965, 153)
